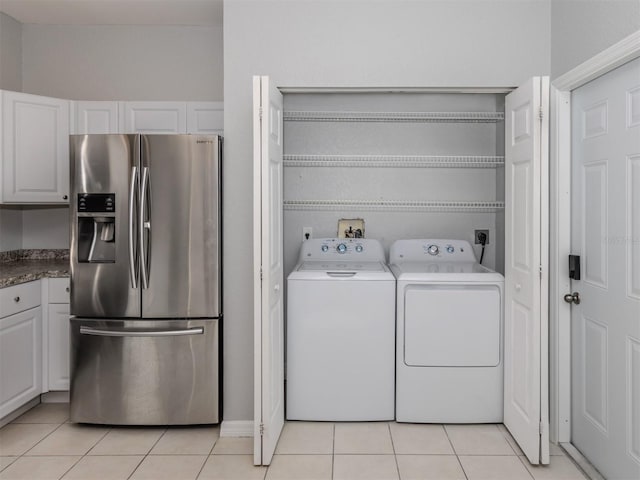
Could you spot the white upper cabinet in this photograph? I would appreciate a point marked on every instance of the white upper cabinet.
(35, 150)
(96, 117)
(153, 117)
(205, 118)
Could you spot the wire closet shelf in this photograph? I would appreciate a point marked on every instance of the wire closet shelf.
(394, 206)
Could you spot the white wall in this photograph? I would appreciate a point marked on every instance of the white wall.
(33, 227)
(10, 53)
(123, 62)
(582, 28)
(348, 43)
(10, 228)
(45, 227)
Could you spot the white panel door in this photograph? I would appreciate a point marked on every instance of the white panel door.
(268, 268)
(153, 117)
(205, 118)
(35, 157)
(96, 117)
(605, 232)
(526, 316)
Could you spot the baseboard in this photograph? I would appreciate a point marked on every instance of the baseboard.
(236, 428)
(582, 463)
(55, 397)
(19, 411)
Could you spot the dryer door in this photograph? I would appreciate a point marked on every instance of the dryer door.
(452, 325)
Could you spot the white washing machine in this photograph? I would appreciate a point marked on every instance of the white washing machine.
(341, 332)
(449, 361)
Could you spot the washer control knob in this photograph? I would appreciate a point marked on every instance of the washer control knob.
(324, 248)
(450, 249)
(341, 248)
(359, 248)
(433, 250)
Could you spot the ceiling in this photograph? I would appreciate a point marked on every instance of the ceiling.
(115, 12)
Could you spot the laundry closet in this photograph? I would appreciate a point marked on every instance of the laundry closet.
(411, 164)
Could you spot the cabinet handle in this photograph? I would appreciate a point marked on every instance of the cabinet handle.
(65, 197)
(16, 299)
(66, 289)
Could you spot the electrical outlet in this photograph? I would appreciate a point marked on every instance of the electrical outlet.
(477, 235)
(307, 233)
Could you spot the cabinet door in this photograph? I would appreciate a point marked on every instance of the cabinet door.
(205, 118)
(96, 117)
(153, 117)
(20, 359)
(36, 149)
(58, 346)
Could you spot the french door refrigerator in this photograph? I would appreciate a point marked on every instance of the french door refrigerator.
(145, 279)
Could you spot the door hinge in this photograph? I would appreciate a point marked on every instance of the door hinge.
(260, 112)
(541, 427)
(541, 113)
(540, 269)
(260, 274)
(262, 429)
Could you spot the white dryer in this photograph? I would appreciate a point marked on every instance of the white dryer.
(449, 315)
(340, 332)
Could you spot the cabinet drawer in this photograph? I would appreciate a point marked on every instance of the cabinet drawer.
(58, 290)
(19, 298)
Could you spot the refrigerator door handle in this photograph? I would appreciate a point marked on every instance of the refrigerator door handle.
(144, 225)
(132, 228)
(141, 333)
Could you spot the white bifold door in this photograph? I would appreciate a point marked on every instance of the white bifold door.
(268, 269)
(526, 379)
(526, 271)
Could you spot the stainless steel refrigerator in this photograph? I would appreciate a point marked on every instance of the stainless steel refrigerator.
(145, 279)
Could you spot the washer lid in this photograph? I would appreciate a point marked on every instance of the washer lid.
(445, 272)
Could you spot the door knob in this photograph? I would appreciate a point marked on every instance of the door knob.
(572, 298)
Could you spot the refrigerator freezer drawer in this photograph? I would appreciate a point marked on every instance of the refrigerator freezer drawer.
(144, 372)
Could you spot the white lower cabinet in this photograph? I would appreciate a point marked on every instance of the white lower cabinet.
(58, 346)
(57, 349)
(20, 346)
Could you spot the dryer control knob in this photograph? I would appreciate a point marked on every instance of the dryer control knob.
(450, 249)
(359, 248)
(341, 248)
(324, 248)
(433, 250)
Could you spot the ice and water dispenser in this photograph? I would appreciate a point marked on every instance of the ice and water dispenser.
(96, 227)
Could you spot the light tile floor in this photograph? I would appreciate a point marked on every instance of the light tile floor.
(41, 445)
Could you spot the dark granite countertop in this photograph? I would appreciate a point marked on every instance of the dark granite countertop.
(20, 266)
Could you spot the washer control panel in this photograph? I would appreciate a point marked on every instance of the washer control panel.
(432, 250)
(349, 249)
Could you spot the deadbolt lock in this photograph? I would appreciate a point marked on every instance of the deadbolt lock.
(572, 298)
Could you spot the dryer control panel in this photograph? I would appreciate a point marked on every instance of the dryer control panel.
(346, 249)
(431, 250)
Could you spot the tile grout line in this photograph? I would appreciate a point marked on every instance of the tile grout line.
(333, 450)
(136, 468)
(455, 452)
(525, 466)
(505, 434)
(393, 447)
(208, 454)
(85, 453)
